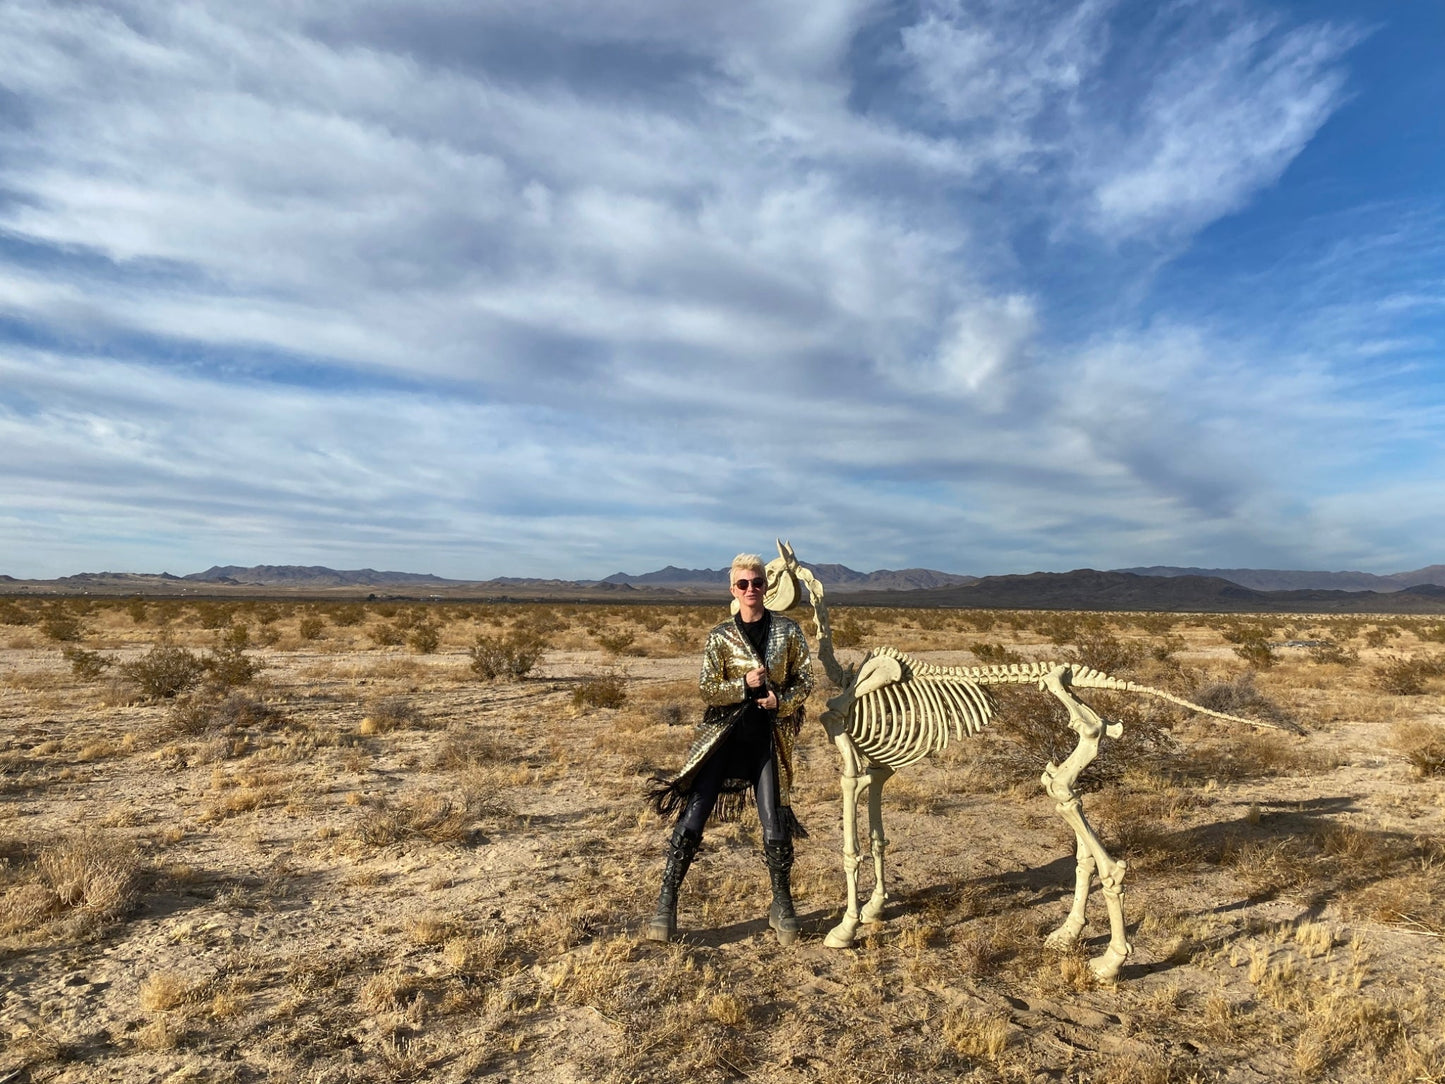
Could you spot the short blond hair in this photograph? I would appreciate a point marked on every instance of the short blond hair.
(749, 562)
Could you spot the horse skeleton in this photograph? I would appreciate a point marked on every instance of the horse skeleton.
(895, 710)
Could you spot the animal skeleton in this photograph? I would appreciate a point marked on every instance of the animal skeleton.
(895, 710)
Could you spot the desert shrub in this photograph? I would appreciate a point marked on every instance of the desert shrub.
(617, 641)
(1238, 696)
(60, 626)
(1100, 649)
(164, 671)
(1381, 635)
(198, 713)
(1058, 628)
(424, 638)
(215, 615)
(1166, 647)
(229, 665)
(994, 654)
(347, 617)
(1405, 676)
(511, 656)
(981, 621)
(1037, 726)
(311, 626)
(389, 713)
(386, 634)
(848, 631)
(137, 609)
(86, 665)
(12, 613)
(1423, 745)
(1239, 632)
(1257, 652)
(605, 691)
(1432, 633)
(1330, 652)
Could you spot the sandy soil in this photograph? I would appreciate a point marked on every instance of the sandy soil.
(369, 865)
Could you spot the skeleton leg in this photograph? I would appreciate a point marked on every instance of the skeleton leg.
(854, 782)
(873, 909)
(1058, 780)
(1067, 935)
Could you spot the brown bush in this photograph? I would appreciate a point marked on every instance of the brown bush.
(607, 691)
(1423, 745)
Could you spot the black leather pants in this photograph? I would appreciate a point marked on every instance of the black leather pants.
(747, 754)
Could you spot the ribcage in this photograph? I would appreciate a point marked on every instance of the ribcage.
(910, 718)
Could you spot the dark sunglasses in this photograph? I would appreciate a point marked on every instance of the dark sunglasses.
(743, 585)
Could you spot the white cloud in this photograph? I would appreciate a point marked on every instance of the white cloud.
(519, 287)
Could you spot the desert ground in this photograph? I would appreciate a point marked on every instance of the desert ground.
(327, 842)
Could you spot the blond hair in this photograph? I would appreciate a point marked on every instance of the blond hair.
(749, 562)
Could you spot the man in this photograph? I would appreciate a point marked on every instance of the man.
(755, 676)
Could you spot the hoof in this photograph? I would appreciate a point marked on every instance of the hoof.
(1064, 938)
(841, 935)
(1106, 967)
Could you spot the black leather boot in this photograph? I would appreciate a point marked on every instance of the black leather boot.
(681, 850)
(779, 857)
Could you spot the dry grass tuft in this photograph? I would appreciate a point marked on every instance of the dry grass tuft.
(1422, 744)
(95, 878)
(433, 818)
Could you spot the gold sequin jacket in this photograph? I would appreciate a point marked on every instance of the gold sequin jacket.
(726, 660)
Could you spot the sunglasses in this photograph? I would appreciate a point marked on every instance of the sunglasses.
(759, 585)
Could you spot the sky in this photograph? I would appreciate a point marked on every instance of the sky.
(554, 288)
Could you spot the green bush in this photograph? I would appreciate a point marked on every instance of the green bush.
(1257, 652)
(346, 617)
(385, 634)
(311, 627)
(61, 626)
(86, 665)
(229, 665)
(1406, 676)
(617, 641)
(165, 671)
(424, 638)
(511, 656)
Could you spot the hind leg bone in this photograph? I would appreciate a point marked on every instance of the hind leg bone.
(1058, 780)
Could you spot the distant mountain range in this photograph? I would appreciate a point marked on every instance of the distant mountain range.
(1269, 579)
(312, 575)
(1086, 589)
(1158, 587)
(907, 579)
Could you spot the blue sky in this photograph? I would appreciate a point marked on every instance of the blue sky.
(564, 288)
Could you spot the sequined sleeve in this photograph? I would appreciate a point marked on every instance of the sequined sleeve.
(799, 681)
(720, 658)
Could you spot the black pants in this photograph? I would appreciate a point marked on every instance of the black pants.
(746, 754)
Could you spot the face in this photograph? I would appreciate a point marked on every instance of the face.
(755, 586)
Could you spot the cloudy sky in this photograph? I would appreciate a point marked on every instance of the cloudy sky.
(564, 288)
